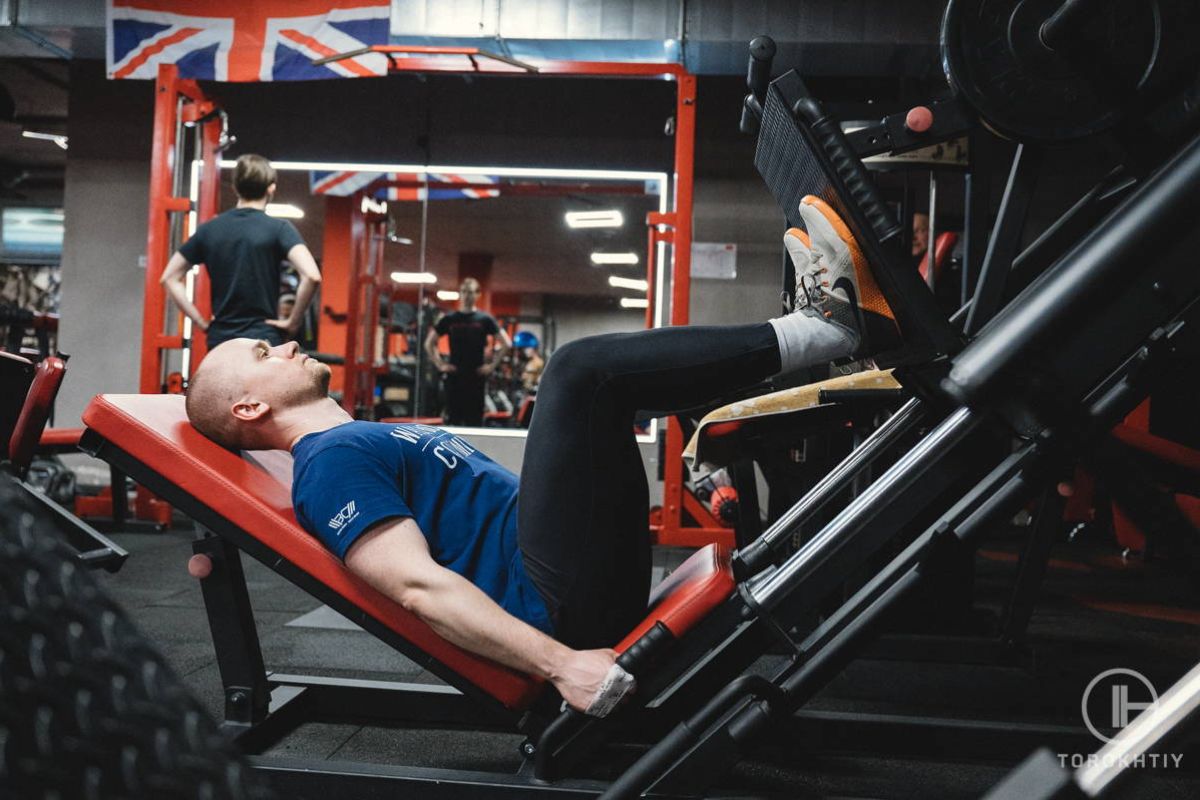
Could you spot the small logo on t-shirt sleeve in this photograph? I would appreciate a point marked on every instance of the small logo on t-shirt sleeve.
(344, 517)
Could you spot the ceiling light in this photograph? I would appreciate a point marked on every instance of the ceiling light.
(634, 302)
(414, 277)
(614, 258)
(370, 205)
(595, 219)
(447, 294)
(285, 211)
(628, 283)
(58, 138)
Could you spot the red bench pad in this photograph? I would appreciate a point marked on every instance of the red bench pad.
(695, 588)
(154, 430)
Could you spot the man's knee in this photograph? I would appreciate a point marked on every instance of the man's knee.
(577, 362)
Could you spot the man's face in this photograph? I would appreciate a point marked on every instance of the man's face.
(468, 295)
(280, 376)
(920, 234)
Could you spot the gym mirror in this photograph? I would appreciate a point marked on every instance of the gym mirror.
(558, 254)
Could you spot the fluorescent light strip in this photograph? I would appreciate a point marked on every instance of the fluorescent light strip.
(636, 284)
(595, 219)
(414, 277)
(58, 138)
(614, 258)
(513, 172)
(634, 302)
(284, 211)
(446, 294)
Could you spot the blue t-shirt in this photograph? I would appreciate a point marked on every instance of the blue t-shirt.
(351, 477)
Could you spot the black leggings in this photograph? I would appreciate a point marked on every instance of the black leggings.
(583, 506)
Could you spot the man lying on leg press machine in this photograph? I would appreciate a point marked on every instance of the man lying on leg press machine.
(542, 574)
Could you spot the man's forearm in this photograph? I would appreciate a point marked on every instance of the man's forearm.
(464, 615)
(178, 291)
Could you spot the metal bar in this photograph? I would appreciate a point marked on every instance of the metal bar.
(773, 588)
(681, 256)
(835, 481)
(953, 519)
(1031, 569)
(1152, 219)
(1005, 238)
(931, 241)
(157, 233)
(651, 270)
(1166, 717)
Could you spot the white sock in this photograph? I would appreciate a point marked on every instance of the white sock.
(805, 341)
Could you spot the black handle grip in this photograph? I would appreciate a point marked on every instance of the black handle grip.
(828, 134)
(639, 654)
(758, 75)
(751, 115)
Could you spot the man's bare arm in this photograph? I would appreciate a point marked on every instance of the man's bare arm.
(431, 349)
(174, 280)
(393, 557)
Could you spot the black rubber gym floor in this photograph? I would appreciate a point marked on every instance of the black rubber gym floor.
(866, 735)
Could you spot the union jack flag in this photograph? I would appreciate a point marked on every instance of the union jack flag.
(236, 40)
(404, 185)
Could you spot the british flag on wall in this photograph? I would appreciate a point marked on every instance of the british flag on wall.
(245, 40)
(401, 186)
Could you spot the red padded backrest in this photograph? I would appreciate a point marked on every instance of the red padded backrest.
(257, 498)
(47, 378)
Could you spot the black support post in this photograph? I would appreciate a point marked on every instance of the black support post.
(235, 638)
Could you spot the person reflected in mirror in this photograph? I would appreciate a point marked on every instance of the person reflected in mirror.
(243, 250)
(920, 236)
(530, 359)
(477, 346)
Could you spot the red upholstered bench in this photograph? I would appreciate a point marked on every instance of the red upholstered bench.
(248, 500)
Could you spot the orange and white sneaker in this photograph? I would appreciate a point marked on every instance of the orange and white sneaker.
(838, 284)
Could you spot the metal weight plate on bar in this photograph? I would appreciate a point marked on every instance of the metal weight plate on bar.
(993, 56)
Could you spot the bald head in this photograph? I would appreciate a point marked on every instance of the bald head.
(243, 387)
(213, 390)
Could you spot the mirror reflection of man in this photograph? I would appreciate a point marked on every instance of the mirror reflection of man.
(243, 250)
(920, 235)
(471, 358)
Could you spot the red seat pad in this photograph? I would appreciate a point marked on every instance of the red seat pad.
(695, 588)
(154, 430)
(47, 379)
(60, 437)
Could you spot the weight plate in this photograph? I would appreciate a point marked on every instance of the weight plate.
(993, 56)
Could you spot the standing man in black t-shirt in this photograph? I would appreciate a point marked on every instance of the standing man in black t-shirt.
(469, 366)
(243, 249)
